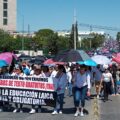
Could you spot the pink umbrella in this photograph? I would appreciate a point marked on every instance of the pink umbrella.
(49, 61)
(8, 57)
(59, 63)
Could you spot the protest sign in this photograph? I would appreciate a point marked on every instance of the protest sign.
(27, 90)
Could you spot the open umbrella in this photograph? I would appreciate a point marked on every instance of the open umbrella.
(49, 61)
(8, 57)
(87, 62)
(3, 63)
(52, 62)
(72, 56)
(116, 58)
(101, 59)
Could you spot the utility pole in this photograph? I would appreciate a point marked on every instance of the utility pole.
(75, 29)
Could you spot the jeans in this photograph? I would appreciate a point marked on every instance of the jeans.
(106, 88)
(115, 89)
(80, 95)
(59, 101)
(70, 89)
(17, 105)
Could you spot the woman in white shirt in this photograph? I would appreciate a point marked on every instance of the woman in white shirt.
(82, 87)
(106, 80)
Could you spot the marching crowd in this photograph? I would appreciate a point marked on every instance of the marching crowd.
(77, 78)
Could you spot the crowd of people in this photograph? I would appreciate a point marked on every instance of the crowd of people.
(77, 78)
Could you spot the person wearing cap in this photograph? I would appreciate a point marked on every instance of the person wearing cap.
(106, 81)
(82, 87)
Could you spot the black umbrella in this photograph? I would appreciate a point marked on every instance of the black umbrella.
(72, 56)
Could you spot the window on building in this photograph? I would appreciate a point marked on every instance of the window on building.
(5, 21)
(5, 13)
(5, 6)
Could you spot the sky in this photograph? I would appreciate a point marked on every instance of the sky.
(59, 14)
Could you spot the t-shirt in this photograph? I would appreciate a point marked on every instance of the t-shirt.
(107, 77)
(97, 74)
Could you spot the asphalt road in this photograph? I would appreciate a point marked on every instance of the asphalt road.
(110, 110)
(68, 112)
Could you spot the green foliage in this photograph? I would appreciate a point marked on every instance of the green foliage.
(49, 41)
(118, 36)
(71, 40)
(6, 43)
(93, 43)
(45, 39)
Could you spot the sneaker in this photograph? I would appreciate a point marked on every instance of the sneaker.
(32, 111)
(60, 112)
(54, 113)
(97, 96)
(81, 114)
(15, 110)
(21, 111)
(77, 113)
(1, 109)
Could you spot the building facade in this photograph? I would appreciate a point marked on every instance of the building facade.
(8, 12)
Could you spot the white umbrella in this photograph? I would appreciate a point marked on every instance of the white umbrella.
(101, 59)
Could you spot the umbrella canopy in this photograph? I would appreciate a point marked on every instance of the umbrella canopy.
(49, 61)
(8, 57)
(3, 63)
(72, 56)
(101, 59)
(52, 62)
(116, 58)
(87, 62)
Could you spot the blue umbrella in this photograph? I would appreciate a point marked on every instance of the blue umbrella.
(3, 63)
(88, 62)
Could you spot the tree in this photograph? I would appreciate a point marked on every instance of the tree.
(73, 31)
(96, 41)
(118, 36)
(6, 41)
(53, 44)
(42, 38)
(118, 39)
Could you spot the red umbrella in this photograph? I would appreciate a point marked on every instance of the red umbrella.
(49, 61)
(59, 63)
(116, 57)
